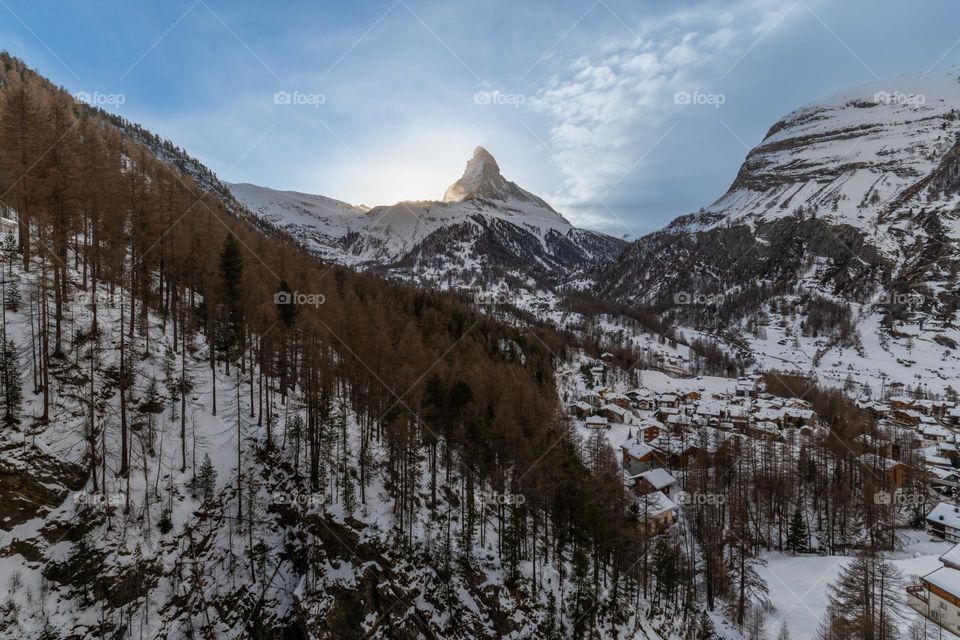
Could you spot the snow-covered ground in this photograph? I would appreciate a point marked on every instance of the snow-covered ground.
(798, 584)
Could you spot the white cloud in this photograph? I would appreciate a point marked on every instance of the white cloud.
(605, 112)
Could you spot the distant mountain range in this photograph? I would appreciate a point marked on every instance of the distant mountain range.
(486, 227)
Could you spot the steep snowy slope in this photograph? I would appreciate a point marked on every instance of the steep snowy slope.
(485, 223)
(849, 157)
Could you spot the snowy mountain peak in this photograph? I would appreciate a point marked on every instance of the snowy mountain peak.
(482, 180)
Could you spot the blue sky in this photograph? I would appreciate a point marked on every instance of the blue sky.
(381, 101)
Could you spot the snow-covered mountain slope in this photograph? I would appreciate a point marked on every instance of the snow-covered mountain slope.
(151, 555)
(484, 225)
(840, 227)
(850, 157)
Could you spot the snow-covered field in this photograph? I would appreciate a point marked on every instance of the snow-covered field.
(798, 584)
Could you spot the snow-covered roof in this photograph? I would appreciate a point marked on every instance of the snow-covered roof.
(615, 408)
(658, 503)
(934, 430)
(952, 557)
(636, 449)
(657, 478)
(713, 409)
(946, 514)
(942, 474)
(878, 462)
(946, 578)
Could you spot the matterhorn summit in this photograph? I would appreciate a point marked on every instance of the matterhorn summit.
(482, 179)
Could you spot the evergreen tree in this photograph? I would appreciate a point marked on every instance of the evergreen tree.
(11, 296)
(797, 535)
(12, 384)
(206, 480)
(11, 251)
(170, 372)
(708, 630)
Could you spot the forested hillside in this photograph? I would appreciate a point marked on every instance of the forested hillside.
(159, 330)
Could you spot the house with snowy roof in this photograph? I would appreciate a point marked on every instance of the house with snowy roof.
(707, 411)
(656, 511)
(906, 416)
(739, 415)
(933, 433)
(944, 522)
(933, 458)
(668, 400)
(798, 417)
(616, 414)
(642, 399)
(946, 478)
(900, 402)
(597, 422)
(580, 409)
(636, 457)
(953, 416)
(768, 414)
(619, 399)
(678, 420)
(937, 596)
(654, 480)
(649, 430)
(746, 388)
